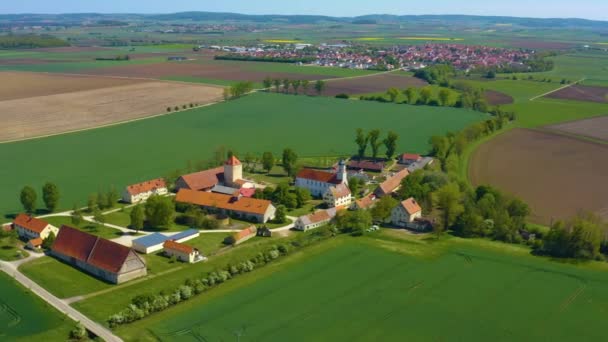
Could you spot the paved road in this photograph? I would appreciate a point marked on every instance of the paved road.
(59, 304)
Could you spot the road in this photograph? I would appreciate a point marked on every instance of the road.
(59, 304)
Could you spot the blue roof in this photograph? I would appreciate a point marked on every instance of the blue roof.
(151, 240)
(184, 234)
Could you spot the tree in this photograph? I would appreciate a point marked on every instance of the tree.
(444, 96)
(375, 143)
(267, 83)
(354, 222)
(411, 95)
(425, 94)
(92, 203)
(28, 198)
(102, 200)
(491, 74)
(241, 88)
(320, 86)
(290, 159)
(48, 242)
(50, 196)
(391, 144)
(302, 196)
(383, 208)
(79, 332)
(280, 215)
(361, 139)
(267, 161)
(277, 84)
(159, 211)
(393, 94)
(76, 216)
(137, 218)
(112, 197)
(296, 86)
(448, 200)
(305, 86)
(98, 217)
(356, 185)
(286, 83)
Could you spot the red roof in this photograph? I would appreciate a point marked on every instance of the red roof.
(221, 201)
(180, 247)
(245, 233)
(411, 206)
(150, 185)
(204, 179)
(31, 223)
(247, 192)
(319, 176)
(108, 255)
(410, 156)
(35, 242)
(365, 202)
(391, 184)
(233, 161)
(366, 165)
(340, 190)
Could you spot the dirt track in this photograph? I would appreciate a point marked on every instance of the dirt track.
(557, 175)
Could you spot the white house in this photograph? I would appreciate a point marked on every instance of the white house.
(338, 196)
(318, 182)
(315, 220)
(142, 191)
(181, 251)
(406, 212)
(28, 227)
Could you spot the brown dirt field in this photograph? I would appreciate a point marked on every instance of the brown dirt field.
(582, 93)
(19, 85)
(596, 128)
(558, 176)
(52, 114)
(372, 84)
(497, 98)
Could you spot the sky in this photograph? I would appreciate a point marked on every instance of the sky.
(588, 9)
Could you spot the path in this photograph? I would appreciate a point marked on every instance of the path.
(558, 89)
(59, 304)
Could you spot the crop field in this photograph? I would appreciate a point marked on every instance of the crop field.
(582, 93)
(357, 291)
(127, 153)
(555, 174)
(497, 98)
(371, 84)
(102, 101)
(25, 317)
(596, 128)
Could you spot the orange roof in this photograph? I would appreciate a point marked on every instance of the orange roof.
(204, 179)
(319, 176)
(35, 242)
(221, 201)
(150, 185)
(411, 206)
(410, 156)
(233, 161)
(365, 202)
(176, 246)
(245, 233)
(391, 184)
(31, 223)
(340, 190)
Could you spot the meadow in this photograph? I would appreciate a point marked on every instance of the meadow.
(385, 288)
(84, 162)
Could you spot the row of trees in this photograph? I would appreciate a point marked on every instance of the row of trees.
(30, 41)
(103, 200)
(50, 197)
(584, 237)
(373, 140)
(284, 195)
(237, 90)
(286, 85)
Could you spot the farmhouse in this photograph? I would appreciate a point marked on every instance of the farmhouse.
(181, 251)
(409, 158)
(391, 184)
(102, 258)
(338, 196)
(245, 235)
(364, 203)
(142, 191)
(34, 244)
(154, 242)
(366, 165)
(406, 212)
(315, 220)
(29, 227)
(233, 205)
(229, 176)
(318, 182)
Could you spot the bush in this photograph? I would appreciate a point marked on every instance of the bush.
(343, 96)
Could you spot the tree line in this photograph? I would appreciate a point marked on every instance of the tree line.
(50, 197)
(374, 141)
(286, 85)
(30, 41)
(248, 58)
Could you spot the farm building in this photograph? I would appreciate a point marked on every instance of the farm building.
(34, 244)
(242, 207)
(318, 182)
(338, 196)
(102, 258)
(366, 165)
(182, 251)
(29, 227)
(244, 235)
(154, 242)
(364, 203)
(142, 191)
(315, 220)
(230, 175)
(176, 58)
(391, 184)
(409, 158)
(406, 212)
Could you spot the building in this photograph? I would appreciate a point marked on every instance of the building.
(177, 58)
(154, 242)
(142, 191)
(318, 182)
(338, 196)
(364, 203)
(181, 251)
(366, 165)
(29, 227)
(406, 212)
(251, 209)
(34, 244)
(244, 235)
(391, 184)
(315, 220)
(409, 158)
(105, 259)
(228, 176)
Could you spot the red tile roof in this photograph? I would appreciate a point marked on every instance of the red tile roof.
(233, 161)
(31, 223)
(180, 247)
(410, 156)
(319, 176)
(245, 233)
(411, 206)
(340, 190)
(150, 185)
(366, 165)
(365, 202)
(221, 201)
(108, 255)
(247, 192)
(391, 184)
(204, 179)
(36, 242)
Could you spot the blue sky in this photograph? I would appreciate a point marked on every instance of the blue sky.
(591, 9)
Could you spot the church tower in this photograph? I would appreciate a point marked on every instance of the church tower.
(233, 171)
(341, 172)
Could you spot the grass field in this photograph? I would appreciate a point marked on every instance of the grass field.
(25, 317)
(385, 288)
(75, 67)
(89, 227)
(11, 249)
(262, 122)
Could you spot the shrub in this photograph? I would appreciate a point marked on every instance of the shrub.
(168, 109)
(343, 96)
(185, 292)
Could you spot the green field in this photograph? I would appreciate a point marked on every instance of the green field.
(75, 67)
(312, 126)
(387, 289)
(89, 227)
(25, 317)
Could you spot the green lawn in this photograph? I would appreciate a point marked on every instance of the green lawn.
(312, 126)
(387, 288)
(91, 228)
(25, 317)
(11, 249)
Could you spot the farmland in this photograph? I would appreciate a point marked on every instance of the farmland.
(557, 175)
(96, 159)
(384, 288)
(582, 93)
(371, 84)
(596, 128)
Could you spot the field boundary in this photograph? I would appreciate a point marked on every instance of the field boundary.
(558, 89)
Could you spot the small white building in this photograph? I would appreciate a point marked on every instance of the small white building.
(315, 220)
(338, 196)
(406, 212)
(142, 191)
(29, 227)
(318, 182)
(181, 251)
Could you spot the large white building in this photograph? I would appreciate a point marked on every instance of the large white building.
(406, 212)
(142, 191)
(318, 182)
(338, 196)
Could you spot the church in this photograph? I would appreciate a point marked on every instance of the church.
(227, 179)
(318, 182)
